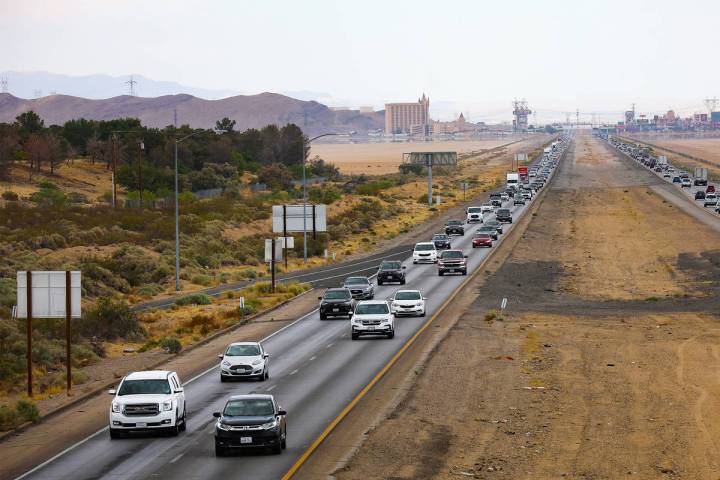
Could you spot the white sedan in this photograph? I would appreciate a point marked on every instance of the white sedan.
(408, 302)
(244, 360)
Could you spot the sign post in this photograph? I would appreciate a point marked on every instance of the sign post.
(28, 284)
(68, 317)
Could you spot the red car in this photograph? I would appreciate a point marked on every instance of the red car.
(482, 240)
(710, 189)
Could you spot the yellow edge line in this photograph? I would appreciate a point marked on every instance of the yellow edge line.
(303, 458)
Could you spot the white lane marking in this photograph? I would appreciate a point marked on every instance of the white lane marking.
(329, 345)
(341, 267)
(271, 388)
(294, 372)
(313, 358)
(177, 458)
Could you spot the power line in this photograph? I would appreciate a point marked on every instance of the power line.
(132, 82)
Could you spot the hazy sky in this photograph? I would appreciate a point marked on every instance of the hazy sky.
(559, 54)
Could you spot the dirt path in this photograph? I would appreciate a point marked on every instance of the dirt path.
(605, 365)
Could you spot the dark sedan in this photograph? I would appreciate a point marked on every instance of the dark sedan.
(249, 421)
(441, 241)
(336, 302)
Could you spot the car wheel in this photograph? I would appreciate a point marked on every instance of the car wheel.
(414, 262)
(116, 433)
(402, 282)
(423, 313)
(464, 272)
(323, 316)
(175, 429)
(283, 443)
(354, 336)
(183, 425)
(223, 378)
(379, 283)
(219, 451)
(277, 449)
(391, 334)
(440, 273)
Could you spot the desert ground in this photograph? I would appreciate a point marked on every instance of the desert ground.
(603, 366)
(382, 158)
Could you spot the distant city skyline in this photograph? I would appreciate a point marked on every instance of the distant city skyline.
(473, 57)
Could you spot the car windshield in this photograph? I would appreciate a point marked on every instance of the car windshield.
(492, 222)
(407, 296)
(503, 212)
(371, 309)
(243, 351)
(145, 387)
(421, 247)
(474, 210)
(356, 281)
(391, 266)
(337, 294)
(249, 408)
(440, 236)
(453, 254)
(482, 235)
(454, 222)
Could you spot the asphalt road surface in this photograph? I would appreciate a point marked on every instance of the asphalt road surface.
(315, 371)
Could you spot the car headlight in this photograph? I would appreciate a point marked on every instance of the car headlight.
(225, 363)
(222, 426)
(116, 407)
(167, 406)
(270, 425)
(257, 362)
(419, 304)
(394, 304)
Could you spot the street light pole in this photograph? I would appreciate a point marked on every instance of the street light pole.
(304, 183)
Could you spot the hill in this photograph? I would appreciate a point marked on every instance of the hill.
(249, 111)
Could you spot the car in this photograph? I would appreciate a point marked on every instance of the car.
(336, 302)
(495, 223)
(519, 200)
(667, 175)
(503, 215)
(452, 261)
(474, 214)
(490, 230)
(441, 241)
(676, 179)
(244, 360)
(710, 189)
(250, 421)
(504, 197)
(699, 195)
(710, 200)
(686, 183)
(487, 207)
(360, 287)
(496, 202)
(456, 227)
(482, 240)
(425, 252)
(510, 192)
(408, 302)
(148, 400)
(372, 318)
(391, 271)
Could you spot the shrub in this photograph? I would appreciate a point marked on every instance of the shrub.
(326, 195)
(49, 197)
(77, 197)
(201, 279)
(10, 196)
(193, 299)
(171, 344)
(136, 266)
(28, 410)
(148, 290)
(9, 418)
(111, 319)
(423, 199)
(375, 187)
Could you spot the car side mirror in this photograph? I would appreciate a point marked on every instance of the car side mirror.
(217, 414)
(282, 412)
(404, 267)
(351, 314)
(180, 390)
(220, 355)
(319, 298)
(112, 391)
(266, 355)
(465, 256)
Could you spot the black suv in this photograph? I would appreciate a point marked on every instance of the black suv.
(249, 421)
(441, 241)
(455, 226)
(336, 302)
(503, 215)
(391, 271)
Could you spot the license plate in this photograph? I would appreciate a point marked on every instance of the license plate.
(141, 424)
(245, 439)
(371, 328)
(336, 309)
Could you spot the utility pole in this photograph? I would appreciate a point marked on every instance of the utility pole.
(577, 118)
(132, 82)
(140, 187)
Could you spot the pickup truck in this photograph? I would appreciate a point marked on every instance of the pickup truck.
(456, 227)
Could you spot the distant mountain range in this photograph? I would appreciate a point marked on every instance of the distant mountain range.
(249, 111)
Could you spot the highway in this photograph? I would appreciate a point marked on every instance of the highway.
(315, 371)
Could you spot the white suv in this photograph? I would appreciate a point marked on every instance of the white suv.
(474, 214)
(151, 400)
(372, 318)
(244, 360)
(425, 252)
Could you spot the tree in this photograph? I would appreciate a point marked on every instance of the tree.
(276, 176)
(36, 147)
(29, 123)
(292, 145)
(224, 126)
(9, 148)
(57, 150)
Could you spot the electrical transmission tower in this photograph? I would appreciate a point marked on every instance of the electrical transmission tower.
(3, 85)
(132, 82)
(577, 118)
(711, 104)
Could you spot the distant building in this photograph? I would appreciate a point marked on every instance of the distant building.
(455, 126)
(408, 118)
(367, 109)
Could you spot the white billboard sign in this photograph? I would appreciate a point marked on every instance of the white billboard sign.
(521, 157)
(278, 250)
(48, 294)
(292, 220)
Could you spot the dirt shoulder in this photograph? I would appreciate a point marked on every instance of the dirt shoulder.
(604, 365)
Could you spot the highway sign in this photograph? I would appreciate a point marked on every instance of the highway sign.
(48, 294)
(289, 218)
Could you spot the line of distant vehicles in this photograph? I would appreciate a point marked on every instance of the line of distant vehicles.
(697, 184)
(155, 400)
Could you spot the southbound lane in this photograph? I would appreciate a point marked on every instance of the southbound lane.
(316, 370)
